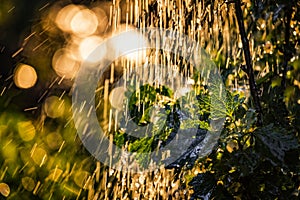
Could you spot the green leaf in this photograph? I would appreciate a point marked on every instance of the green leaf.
(277, 141)
(205, 186)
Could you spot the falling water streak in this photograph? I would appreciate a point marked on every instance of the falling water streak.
(17, 52)
(2, 92)
(3, 173)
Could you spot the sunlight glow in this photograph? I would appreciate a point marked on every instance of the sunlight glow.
(84, 23)
(64, 65)
(102, 19)
(87, 49)
(65, 15)
(25, 76)
(136, 41)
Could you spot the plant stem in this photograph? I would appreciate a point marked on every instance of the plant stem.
(249, 70)
(287, 53)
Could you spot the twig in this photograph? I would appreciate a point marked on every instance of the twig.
(248, 68)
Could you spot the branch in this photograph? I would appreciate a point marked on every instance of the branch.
(248, 68)
(287, 49)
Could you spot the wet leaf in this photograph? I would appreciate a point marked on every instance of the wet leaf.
(232, 145)
(205, 184)
(277, 141)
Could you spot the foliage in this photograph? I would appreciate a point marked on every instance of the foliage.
(259, 162)
(251, 162)
(157, 108)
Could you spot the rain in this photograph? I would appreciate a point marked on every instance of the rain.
(143, 100)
